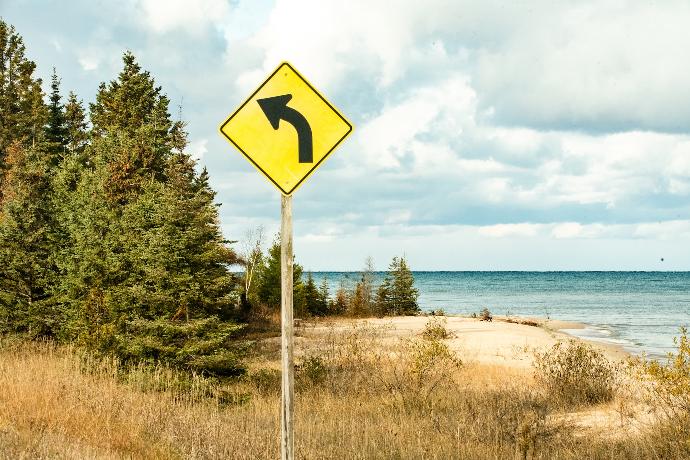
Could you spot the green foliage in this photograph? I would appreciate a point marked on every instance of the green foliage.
(340, 302)
(312, 371)
(361, 302)
(316, 298)
(109, 238)
(133, 105)
(28, 270)
(435, 329)
(672, 379)
(576, 373)
(23, 114)
(200, 345)
(268, 285)
(56, 130)
(265, 380)
(397, 294)
(76, 127)
(145, 226)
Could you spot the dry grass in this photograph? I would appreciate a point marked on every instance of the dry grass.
(357, 398)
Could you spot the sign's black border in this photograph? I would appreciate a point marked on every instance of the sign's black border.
(286, 192)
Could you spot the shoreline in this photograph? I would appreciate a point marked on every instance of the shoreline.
(506, 341)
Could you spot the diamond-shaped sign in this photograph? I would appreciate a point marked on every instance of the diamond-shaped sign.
(286, 128)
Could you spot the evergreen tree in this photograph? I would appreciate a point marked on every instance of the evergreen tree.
(325, 298)
(268, 288)
(316, 298)
(311, 296)
(361, 302)
(131, 121)
(56, 132)
(27, 227)
(28, 243)
(76, 127)
(397, 294)
(146, 268)
(340, 302)
(23, 114)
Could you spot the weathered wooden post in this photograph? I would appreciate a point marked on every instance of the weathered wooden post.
(287, 429)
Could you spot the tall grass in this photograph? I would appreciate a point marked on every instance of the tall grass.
(359, 396)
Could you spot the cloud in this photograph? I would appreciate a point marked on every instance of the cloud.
(162, 16)
(506, 230)
(587, 66)
(89, 62)
(591, 66)
(484, 131)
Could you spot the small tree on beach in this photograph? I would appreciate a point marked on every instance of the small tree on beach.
(397, 294)
(315, 299)
(362, 302)
(268, 281)
(340, 302)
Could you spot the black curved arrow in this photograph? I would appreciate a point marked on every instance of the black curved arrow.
(275, 108)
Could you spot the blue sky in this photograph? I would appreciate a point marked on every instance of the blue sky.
(488, 135)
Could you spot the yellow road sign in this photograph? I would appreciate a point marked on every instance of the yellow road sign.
(286, 128)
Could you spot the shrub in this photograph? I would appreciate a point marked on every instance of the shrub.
(199, 345)
(417, 372)
(672, 380)
(576, 373)
(313, 370)
(486, 315)
(265, 380)
(435, 329)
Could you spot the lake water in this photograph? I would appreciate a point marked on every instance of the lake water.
(642, 311)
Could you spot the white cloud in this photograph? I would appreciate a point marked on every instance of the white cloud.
(510, 230)
(669, 230)
(195, 17)
(89, 61)
(601, 65)
(440, 112)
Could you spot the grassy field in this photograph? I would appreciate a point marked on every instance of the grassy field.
(357, 397)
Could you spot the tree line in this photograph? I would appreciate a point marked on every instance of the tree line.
(110, 236)
(260, 295)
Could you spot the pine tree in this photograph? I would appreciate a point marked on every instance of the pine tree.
(23, 114)
(27, 226)
(56, 132)
(325, 304)
(28, 243)
(361, 302)
(316, 298)
(397, 294)
(340, 302)
(76, 127)
(268, 289)
(131, 122)
(146, 271)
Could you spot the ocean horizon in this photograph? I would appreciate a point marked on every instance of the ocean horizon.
(642, 311)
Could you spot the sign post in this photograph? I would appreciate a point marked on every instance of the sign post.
(286, 129)
(287, 440)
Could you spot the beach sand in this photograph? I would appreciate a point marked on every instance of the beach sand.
(502, 342)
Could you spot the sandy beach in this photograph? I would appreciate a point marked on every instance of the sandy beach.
(504, 341)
